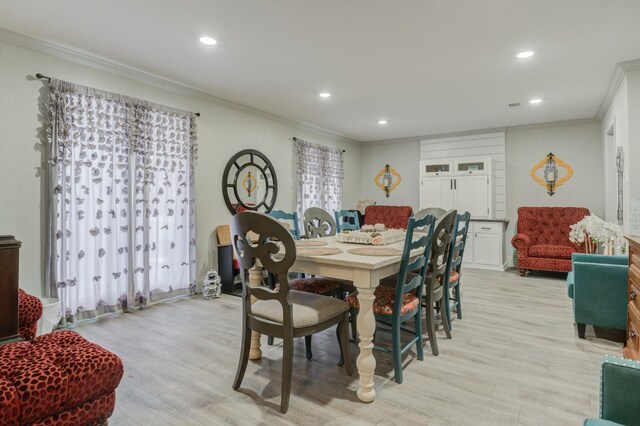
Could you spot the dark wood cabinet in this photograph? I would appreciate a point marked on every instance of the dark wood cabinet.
(632, 347)
(9, 265)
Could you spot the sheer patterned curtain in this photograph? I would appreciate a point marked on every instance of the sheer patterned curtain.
(121, 206)
(320, 174)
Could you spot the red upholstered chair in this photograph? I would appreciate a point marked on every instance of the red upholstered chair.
(29, 312)
(393, 217)
(56, 379)
(542, 240)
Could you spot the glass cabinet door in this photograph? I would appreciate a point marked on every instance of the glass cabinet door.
(443, 168)
(472, 167)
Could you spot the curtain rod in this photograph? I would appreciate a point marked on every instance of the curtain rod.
(293, 139)
(41, 76)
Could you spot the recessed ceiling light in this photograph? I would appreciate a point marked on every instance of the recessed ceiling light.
(209, 41)
(535, 101)
(382, 122)
(525, 54)
(324, 94)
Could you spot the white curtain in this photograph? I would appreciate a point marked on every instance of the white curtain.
(121, 210)
(319, 175)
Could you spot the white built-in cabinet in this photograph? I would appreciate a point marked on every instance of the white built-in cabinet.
(484, 248)
(464, 184)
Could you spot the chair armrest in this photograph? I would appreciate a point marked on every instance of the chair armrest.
(600, 294)
(619, 384)
(521, 242)
(599, 258)
(29, 312)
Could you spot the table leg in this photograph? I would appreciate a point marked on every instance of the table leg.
(366, 328)
(255, 280)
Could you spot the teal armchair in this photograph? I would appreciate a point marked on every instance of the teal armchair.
(619, 396)
(598, 286)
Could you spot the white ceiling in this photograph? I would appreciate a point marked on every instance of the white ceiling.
(428, 66)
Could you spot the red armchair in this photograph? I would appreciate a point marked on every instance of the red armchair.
(542, 240)
(29, 312)
(56, 379)
(393, 217)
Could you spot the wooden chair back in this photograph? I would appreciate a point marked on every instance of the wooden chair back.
(419, 264)
(258, 237)
(440, 246)
(458, 242)
(343, 218)
(318, 223)
(291, 221)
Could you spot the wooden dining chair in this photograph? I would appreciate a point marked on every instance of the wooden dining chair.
(434, 287)
(318, 223)
(282, 313)
(346, 220)
(437, 212)
(452, 294)
(291, 219)
(393, 306)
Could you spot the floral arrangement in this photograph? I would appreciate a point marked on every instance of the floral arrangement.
(598, 235)
(376, 235)
(212, 286)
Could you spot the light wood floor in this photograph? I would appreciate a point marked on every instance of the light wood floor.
(514, 359)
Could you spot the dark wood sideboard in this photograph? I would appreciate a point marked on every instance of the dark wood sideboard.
(9, 265)
(632, 347)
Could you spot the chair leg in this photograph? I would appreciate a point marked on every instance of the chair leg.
(244, 356)
(431, 324)
(343, 338)
(418, 332)
(354, 327)
(339, 337)
(447, 306)
(582, 329)
(445, 323)
(307, 346)
(458, 302)
(287, 370)
(523, 272)
(397, 351)
(270, 340)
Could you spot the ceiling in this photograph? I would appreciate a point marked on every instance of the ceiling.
(427, 66)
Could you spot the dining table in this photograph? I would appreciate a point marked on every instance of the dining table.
(365, 272)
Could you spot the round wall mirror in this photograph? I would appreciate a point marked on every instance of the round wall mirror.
(249, 182)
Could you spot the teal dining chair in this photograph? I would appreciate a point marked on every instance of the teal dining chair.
(347, 220)
(394, 306)
(452, 294)
(290, 219)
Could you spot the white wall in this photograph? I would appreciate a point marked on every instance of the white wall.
(577, 143)
(404, 156)
(222, 131)
(633, 99)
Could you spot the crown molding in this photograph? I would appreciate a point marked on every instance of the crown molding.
(621, 69)
(108, 65)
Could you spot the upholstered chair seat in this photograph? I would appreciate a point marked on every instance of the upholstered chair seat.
(384, 300)
(308, 309)
(316, 285)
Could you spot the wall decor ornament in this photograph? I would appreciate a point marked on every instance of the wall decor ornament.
(249, 182)
(550, 167)
(388, 179)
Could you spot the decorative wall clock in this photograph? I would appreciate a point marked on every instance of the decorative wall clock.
(550, 173)
(249, 182)
(388, 179)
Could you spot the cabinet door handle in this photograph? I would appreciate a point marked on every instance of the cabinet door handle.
(632, 334)
(451, 184)
(455, 184)
(485, 227)
(633, 295)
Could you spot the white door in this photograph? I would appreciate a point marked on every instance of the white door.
(437, 192)
(486, 249)
(472, 195)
